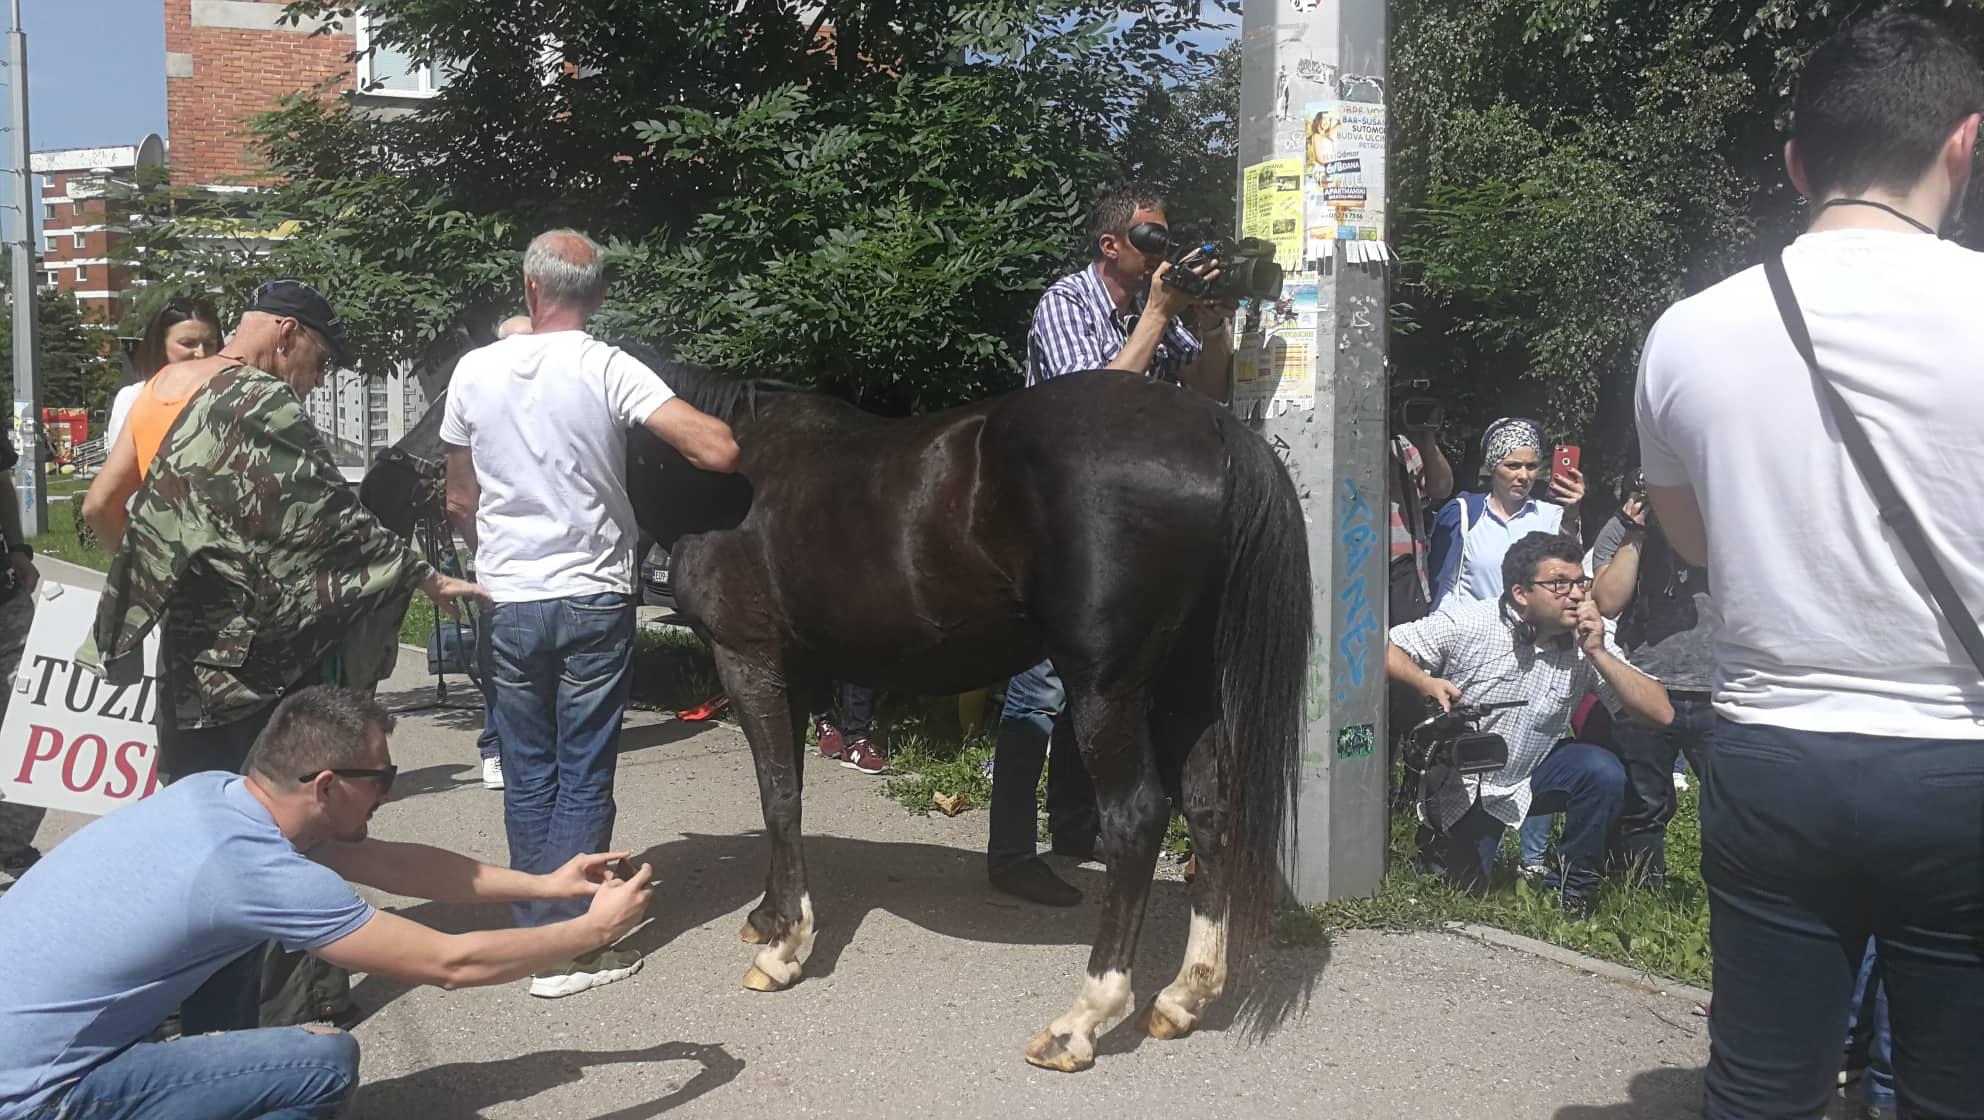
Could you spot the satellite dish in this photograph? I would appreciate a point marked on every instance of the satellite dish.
(151, 151)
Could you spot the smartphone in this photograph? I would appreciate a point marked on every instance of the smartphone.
(621, 869)
(1563, 460)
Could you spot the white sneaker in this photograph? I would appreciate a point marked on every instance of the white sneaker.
(1680, 781)
(592, 970)
(492, 773)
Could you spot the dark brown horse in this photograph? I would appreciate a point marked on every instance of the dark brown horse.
(1138, 535)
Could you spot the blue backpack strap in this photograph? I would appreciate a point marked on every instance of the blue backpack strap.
(1447, 556)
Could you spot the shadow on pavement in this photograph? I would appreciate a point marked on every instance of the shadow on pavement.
(643, 736)
(1667, 1093)
(435, 779)
(701, 878)
(462, 1090)
(463, 712)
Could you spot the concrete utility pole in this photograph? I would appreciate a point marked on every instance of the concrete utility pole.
(1302, 61)
(27, 386)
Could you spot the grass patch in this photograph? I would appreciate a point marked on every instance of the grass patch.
(928, 765)
(672, 669)
(418, 625)
(58, 538)
(1660, 932)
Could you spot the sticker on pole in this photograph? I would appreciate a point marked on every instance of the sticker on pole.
(71, 739)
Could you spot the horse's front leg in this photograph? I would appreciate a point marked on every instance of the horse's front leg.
(782, 924)
(1115, 738)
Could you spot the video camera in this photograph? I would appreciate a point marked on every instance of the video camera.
(1451, 739)
(1246, 267)
(1415, 412)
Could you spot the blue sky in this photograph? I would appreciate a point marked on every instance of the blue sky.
(96, 71)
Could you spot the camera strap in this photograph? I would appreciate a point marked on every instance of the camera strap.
(1907, 527)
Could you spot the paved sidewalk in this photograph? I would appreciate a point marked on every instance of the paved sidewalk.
(924, 987)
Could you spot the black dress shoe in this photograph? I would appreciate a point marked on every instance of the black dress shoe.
(1031, 879)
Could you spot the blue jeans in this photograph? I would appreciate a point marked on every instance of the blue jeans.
(1584, 782)
(1811, 843)
(1867, 1028)
(1031, 721)
(1650, 755)
(281, 1073)
(488, 744)
(1535, 837)
(558, 679)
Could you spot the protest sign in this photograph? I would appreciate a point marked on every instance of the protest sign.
(72, 740)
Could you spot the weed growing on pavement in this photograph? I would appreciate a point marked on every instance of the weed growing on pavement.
(927, 765)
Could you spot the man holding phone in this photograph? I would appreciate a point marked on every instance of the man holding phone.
(132, 915)
(1667, 624)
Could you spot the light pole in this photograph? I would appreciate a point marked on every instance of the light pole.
(27, 386)
(1312, 99)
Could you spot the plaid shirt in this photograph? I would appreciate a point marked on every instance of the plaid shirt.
(1471, 645)
(1076, 326)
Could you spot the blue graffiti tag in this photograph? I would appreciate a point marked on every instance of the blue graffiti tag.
(1356, 624)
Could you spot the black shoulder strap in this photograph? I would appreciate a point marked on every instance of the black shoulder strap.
(1907, 528)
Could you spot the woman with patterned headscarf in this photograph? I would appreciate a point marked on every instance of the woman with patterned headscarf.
(1477, 527)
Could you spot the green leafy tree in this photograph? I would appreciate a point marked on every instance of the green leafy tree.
(1186, 136)
(75, 365)
(866, 195)
(1562, 170)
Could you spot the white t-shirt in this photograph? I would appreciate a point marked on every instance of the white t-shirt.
(545, 417)
(120, 410)
(1826, 623)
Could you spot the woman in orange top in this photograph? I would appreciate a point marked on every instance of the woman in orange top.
(187, 369)
(184, 329)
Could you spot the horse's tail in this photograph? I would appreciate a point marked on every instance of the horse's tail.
(1261, 648)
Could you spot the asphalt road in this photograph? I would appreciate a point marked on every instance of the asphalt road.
(924, 987)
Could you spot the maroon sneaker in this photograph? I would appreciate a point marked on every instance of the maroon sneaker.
(832, 744)
(865, 756)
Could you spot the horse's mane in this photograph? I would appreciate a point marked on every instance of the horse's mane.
(729, 396)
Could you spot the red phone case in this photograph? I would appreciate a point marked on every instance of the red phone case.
(1564, 460)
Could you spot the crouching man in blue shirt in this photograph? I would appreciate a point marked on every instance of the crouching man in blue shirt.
(138, 911)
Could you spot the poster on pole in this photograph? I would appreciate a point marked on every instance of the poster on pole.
(71, 739)
(1343, 174)
(1271, 208)
(1274, 368)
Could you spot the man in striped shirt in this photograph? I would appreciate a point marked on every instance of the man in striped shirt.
(1119, 314)
(1115, 314)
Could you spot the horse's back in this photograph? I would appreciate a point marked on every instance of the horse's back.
(966, 542)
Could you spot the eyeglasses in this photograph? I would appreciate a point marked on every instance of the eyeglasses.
(383, 776)
(1563, 585)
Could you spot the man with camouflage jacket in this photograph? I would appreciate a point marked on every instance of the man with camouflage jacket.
(251, 555)
(247, 548)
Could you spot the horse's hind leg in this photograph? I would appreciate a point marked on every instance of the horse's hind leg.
(1115, 738)
(782, 924)
(1202, 977)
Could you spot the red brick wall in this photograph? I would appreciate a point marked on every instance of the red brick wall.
(236, 74)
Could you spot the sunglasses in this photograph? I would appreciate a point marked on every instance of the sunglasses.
(383, 776)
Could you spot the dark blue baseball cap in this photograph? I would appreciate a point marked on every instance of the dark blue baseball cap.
(294, 299)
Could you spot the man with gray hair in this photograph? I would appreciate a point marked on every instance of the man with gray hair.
(142, 907)
(536, 426)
